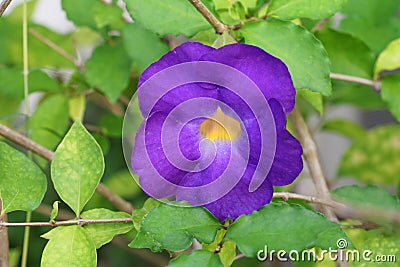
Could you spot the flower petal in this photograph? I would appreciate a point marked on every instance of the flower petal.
(269, 73)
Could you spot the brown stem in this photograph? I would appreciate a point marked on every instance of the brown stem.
(4, 6)
(43, 152)
(311, 157)
(4, 244)
(376, 85)
(217, 25)
(65, 223)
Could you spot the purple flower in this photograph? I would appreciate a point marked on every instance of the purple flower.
(214, 130)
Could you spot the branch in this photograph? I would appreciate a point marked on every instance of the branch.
(285, 196)
(55, 47)
(311, 157)
(217, 25)
(65, 223)
(4, 6)
(376, 85)
(43, 152)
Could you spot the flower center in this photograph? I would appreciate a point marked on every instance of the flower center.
(220, 127)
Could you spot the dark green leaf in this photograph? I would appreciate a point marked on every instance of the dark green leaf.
(111, 125)
(123, 184)
(77, 167)
(69, 246)
(108, 69)
(167, 16)
(22, 183)
(274, 226)
(375, 157)
(293, 44)
(161, 229)
(139, 214)
(198, 258)
(313, 9)
(101, 234)
(370, 196)
(390, 93)
(143, 46)
(345, 127)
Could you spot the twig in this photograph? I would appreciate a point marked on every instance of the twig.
(43, 152)
(376, 85)
(320, 25)
(4, 6)
(4, 243)
(55, 47)
(311, 157)
(287, 195)
(217, 25)
(65, 223)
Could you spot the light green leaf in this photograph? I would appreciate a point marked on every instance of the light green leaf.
(49, 123)
(198, 258)
(143, 46)
(389, 59)
(370, 196)
(77, 167)
(347, 128)
(69, 246)
(102, 234)
(303, 54)
(108, 69)
(375, 22)
(22, 183)
(160, 229)
(251, 233)
(139, 214)
(314, 98)
(375, 157)
(77, 107)
(54, 211)
(312, 9)
(167, 16)
(207, 37)
(227, 252)
(390, 93)
(224, 39)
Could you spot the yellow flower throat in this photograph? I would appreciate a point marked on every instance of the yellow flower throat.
(220, 127)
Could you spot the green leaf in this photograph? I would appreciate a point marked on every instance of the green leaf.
(224, 39)
(54, 211)
(108, 69)
(49, 123)
(370, 196)
(77, 167)
(344, 127)
(313, 9)
(143, 46)
(374, 21)
(274, 226)
(389, 59)
(160, 229)
(69, 246)
(111, 125)
(374, 158)
(139, 214)
(22, 183)
(303, 54)
(167, 16)
(77, 107)
(11, 82)
(198, 258)
(102, 234)
(314, 98)
(390, 93)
